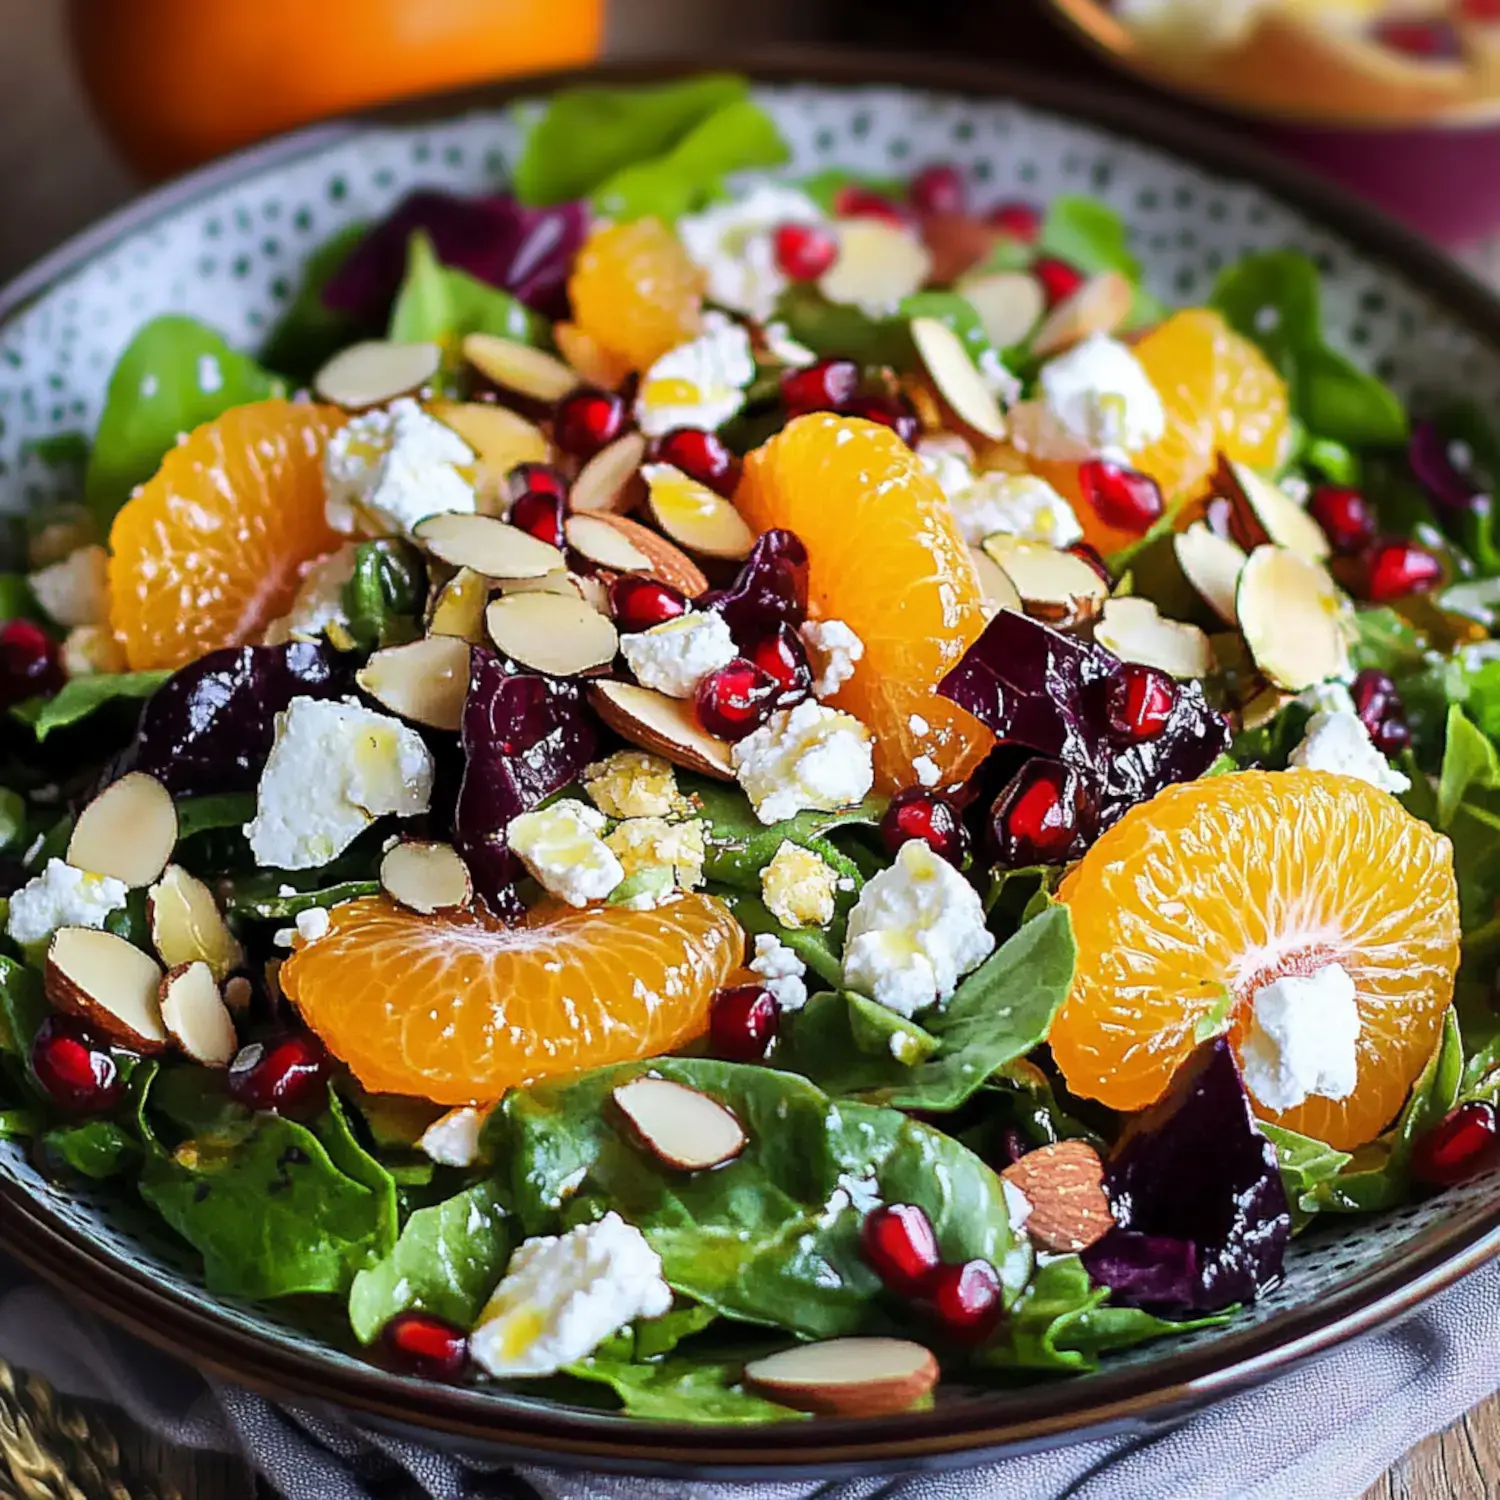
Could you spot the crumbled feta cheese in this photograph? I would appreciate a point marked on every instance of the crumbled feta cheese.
(387, 469)
(333, 769)
(698, 384)
(63, 896)
(675, 656)
(633, 784)
(918, 725)
(1339, 742)
(1327, 698)
(1095, 401)
(998, 378)
(916, 929)
(803, 758)
(563, 1295)
(320, 599)
(733, 244)
(783, 972)
(654, 844)
(950, 460)
(75, 591)
(1022, 505)
(927, 771)
(798, 887)
(313, 923)
(561, 847)
(452, 1140)
(780, 345)
(1303, 1039)
(834, 649)
(284, 937)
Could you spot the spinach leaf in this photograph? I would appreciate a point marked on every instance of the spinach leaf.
(1470, 764)
(437, 304)
(174, 375)
(309, 331)
(812, 945)
(652, 1337)
(221, 810)
(448, 1260)
(840, 329)
(335, 1128)
(386, 593)
(847, 1044)
(1092, 236)
(17, 602)
(19, 1124)
(62, 450)
(259, 897)
(12, 819)
(23, 1007)
(696, 1388)
(97, 1149)
(823, 187)
(1305, 1164)
(81, 696)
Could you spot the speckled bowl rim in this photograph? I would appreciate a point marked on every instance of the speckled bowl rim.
(495, 1424)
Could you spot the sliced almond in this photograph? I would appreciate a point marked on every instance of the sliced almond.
(500, 439)
(519, 367)
(486, 545)
(1009, 303)
(424, 681)
(665, 726)
(569, 585)
(878, 264)
(695, 517)
(128, 831)
(682, 1126)
(195, 1016)
(594, 363)
(999, 592)
(1100, 305)
(1262, 512)
(187, 925)
(1211, 564)
(660, 559)
(1262, 706)
(426, 877)
(1135, 631)
(551, 633)
(957, 380)
(857, 1377)
(1052, 586)
(458, 607)
(109, 983)
(376, 371)
(1292, 616)
(1064, 1184)
(610, 480)
(604, 544)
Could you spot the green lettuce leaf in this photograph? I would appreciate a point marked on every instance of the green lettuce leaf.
(1305, 1165)
(438, 304)
(81, 696)
(1092, 236)
(97, 1149)
(310, 332)
(684, 1388)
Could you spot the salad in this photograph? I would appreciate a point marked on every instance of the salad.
(722, 792)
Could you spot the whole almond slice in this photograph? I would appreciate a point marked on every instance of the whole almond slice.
(957, 380)
(1053, 586)
(500, 438)
(570, 585)
(665, 726)
(695, 517)
(519, 367)
(1293, 619)
(486, 545)
(551, 633)
(663, 561)
(1100, 305)
(1262, 512)
(458, 607)
(878, 264)
(374, 372)
(1009, 303)
(609, 546)
(1135, 631)
(427, 877)
(187, 925)
(424, 681)
(195, 1016)
(682, 1126)
(128, 831)
(999, 592)
(1211, 564)
(108, 982)
(1063, 1184)
(853, 1377)
(608, 482)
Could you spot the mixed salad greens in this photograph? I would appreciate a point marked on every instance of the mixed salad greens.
(886, 1127)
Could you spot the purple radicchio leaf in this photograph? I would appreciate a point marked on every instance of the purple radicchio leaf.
(524, 737)
(1443, 468)
(1195, 1171)
(770, 589)
(527, 252)
(209, 728)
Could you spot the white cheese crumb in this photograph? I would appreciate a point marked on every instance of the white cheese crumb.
(561, 847)
(798, 887)
(313, 924)
(320, 599)
(452, 1140)
(643, 844)
(918, 725)
(75, 591)
(1339, 742)
(697, 384)
(62, 896)
(284, 937)
(1022, 505)
(783, 972)
(1095, 401)
(1303, 1039)
(675, 656)
(802, 758)
(927, 771)
(833, 649)
(633, 784)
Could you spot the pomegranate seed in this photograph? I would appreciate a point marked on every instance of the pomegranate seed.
(75, 1069)
(30, 662)
(781, 655)
(700, 455)
(1459, 1147)
(889, 411)
(1037, 819)
(1345, 516)
(1382, 711)
(917, 813)
(967, 1300)
(855, 202)
(1396, 568)
(541, 515)
(1141, 700)
(1059, 280)
(743, 1023)
(542, 478)
(283, 1074)
(1426, 39)
(901, 1246)
(426, 1345)
(939, 189)
(804, 251)
(1121, 497)
(825, 386)
(586, 421)
(1019, 220)
(638, 603)
(1085, 553)
(736, 699)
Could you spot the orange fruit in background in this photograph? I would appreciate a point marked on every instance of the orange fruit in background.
(635, 293)
(1235, 881)
(459, 1008)
(886, 557)
(211, 548)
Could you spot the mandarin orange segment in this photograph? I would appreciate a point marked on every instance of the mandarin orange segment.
(211, 549)
(458, 1009)
(1181, 356)
(1235, 881)
(886, 557)
(635, 293)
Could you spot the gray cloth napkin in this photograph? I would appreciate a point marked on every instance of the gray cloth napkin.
(1326, 1430)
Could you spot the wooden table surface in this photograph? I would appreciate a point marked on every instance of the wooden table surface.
(57, 174)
